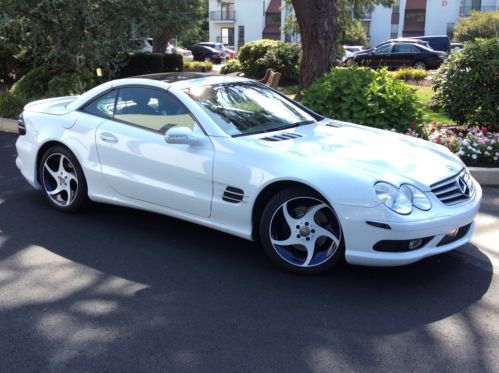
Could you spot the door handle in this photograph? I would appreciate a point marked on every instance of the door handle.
(108, 137)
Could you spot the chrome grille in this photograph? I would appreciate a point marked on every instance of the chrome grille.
(456, 189)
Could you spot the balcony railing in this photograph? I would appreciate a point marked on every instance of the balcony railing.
(225, 40)
(466, 10)
(224, 15)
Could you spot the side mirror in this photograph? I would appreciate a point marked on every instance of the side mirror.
(181, 135)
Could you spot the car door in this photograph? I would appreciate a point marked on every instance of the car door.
(380, 56)
(401, 55)
(137, 162)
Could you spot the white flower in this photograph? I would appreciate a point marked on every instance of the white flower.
(486, 153)
(489, 147)
(495, 158)
(473, 156)
(465, 142)
(460, 152)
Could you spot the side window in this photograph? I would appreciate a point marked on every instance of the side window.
(402, 48)
(152, 109)
(103, 106)
(414, 49)
(384, 49)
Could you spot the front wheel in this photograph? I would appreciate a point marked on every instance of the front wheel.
(300, 232)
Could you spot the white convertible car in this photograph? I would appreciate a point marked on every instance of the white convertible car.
(237, 156)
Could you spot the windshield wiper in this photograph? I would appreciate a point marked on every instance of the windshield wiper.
(296, 124)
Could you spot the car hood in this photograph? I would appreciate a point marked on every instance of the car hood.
(382, 155)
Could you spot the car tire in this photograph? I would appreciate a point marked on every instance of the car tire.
(300, 232)
(62, 180)
(419, 65)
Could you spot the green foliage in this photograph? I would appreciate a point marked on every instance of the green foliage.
(198, 65)
(69, 84)
(172, 62)
(467, 85)
(257, 56)
(410, 73)
(10, 105)
(231, 66)
(478, 25)
(74, 36)
(362, 95)
(351, 31)
(33, 85)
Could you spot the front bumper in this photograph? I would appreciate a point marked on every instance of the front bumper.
(361, 237)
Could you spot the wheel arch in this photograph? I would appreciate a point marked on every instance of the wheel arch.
(46, 146)
(266, 194)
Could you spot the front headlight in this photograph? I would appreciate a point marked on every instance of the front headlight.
(393, 198)
(417, 197)
(402, 200)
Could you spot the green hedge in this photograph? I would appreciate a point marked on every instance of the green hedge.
(364, 96)
(10, 105)
(33, 85)
(257, 56)
(69, 84)
(467, 85)
(204, 66)
(231, 66)
(150, 63)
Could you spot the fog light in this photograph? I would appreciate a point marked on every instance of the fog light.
(414, 244)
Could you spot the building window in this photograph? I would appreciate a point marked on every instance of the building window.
(240, 36)
(415, 16)
(394, 31)
(396, 6)
(227, 35)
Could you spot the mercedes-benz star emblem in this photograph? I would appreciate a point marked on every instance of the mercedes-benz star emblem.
(463, 187)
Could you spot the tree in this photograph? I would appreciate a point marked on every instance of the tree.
(171, 18)
(72, 35)
(478, 25)
(319, 25)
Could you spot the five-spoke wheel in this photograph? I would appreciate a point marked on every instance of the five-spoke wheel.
(62, 180)
(301, 232)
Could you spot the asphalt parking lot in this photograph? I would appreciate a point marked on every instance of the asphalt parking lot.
(114, 289)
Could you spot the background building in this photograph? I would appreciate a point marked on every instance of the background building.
(239, 21)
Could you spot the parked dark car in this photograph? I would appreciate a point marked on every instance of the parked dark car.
(397, 55)
(214, 52)
(405, 40)
(437, 42)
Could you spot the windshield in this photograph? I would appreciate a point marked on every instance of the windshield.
(247, 108)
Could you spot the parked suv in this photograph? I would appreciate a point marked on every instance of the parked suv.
(214, 52)
(396, 55)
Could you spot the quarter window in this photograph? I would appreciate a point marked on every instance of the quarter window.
(103, 106)
(152, 109)
(404, 48)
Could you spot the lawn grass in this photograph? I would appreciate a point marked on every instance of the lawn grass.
(424, 94)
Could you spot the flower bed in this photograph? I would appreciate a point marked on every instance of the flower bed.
(475, 146)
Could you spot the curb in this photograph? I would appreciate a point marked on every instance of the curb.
(484, 175)
(8, 125)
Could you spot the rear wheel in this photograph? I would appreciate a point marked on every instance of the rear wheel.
(62, 179)
(301, 232)
(419, 65)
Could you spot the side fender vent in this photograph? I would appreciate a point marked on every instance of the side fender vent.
(283, 136)
(233, 195)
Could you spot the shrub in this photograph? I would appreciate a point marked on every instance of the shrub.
(173, 62)
(10, 105)
(231, 66)
(478, 25)
(362, 95)
(467, 85)
(69, 84)
(142, 63)
(203, 66)
(259, 55)
(409, 73)
(33, 85)
(475, 146)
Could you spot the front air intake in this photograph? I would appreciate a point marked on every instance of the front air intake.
(283, 136)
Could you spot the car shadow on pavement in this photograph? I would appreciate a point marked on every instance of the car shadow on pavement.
(113, 287)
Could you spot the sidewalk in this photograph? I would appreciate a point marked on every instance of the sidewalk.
(8, 125)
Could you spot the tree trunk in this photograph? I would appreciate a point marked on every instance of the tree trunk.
(160, 41)
(317, 20)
